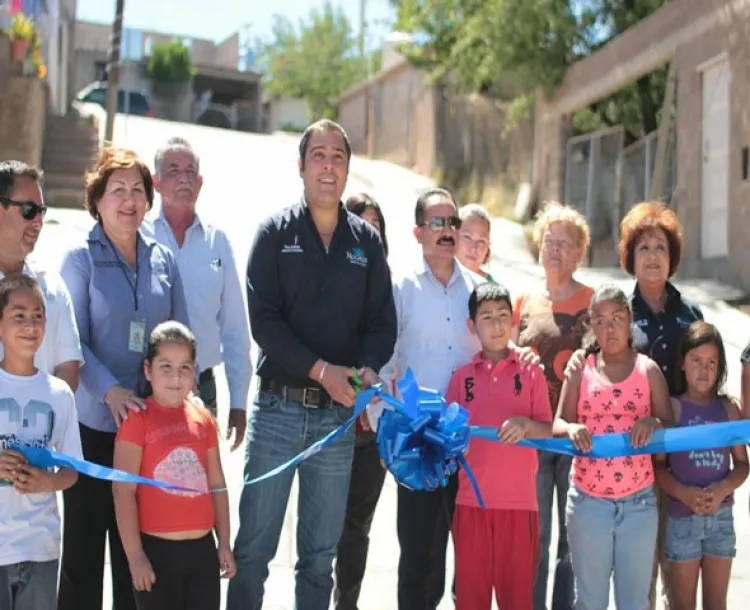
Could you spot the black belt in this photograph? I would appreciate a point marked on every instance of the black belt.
(206, 376)
(310, 398)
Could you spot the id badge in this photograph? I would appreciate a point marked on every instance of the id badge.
(137, 336)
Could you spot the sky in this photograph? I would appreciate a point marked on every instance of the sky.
(218, 19)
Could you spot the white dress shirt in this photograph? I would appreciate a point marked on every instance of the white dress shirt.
(214, 300)
(61, 342)
(433, 337)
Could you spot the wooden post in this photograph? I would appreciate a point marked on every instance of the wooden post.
(113, 70)
(665, 121)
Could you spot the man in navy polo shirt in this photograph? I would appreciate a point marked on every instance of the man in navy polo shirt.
(321, 304)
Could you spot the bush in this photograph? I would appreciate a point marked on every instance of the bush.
(170, 63)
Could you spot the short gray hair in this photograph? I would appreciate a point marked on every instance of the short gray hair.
(174, 143)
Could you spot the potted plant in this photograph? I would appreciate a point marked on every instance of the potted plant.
(20, 33)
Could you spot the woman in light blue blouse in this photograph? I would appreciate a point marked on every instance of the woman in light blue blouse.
(122, 285)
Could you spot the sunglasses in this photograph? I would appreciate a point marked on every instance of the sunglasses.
(29, 209)
(440, 223)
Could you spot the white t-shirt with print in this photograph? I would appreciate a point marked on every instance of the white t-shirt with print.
(36, 411)
(61, 342)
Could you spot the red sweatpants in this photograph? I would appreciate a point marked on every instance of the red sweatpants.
(495, 548)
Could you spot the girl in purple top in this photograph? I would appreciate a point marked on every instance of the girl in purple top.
(700, 537)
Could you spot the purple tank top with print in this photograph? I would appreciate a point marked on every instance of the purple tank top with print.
(699, 468)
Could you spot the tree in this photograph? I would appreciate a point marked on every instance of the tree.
(315, 61)
(170, 63)
(480, 42)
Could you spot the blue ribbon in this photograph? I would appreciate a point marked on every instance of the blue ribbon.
(670, 440)
(422, 440)
(47, 458)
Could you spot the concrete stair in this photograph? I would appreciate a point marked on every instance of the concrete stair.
(71, 145)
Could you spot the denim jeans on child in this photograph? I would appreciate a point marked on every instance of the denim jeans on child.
(29, 585)
(612, 536)
(690, 538)
(279, 430)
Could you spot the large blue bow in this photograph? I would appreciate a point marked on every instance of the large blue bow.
(421, 439)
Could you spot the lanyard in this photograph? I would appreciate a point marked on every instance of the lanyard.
(122, 265)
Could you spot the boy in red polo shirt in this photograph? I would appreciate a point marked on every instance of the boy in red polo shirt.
(498, 546)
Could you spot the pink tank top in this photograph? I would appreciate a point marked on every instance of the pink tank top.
(608, 408)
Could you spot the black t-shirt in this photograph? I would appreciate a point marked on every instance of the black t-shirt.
(658, 334)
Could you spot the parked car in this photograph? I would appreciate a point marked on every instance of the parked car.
(96, 93)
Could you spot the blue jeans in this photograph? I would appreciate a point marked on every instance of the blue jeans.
(690, 538)
(553, 477)
(612, 538)
(29, 585)
(279, 430)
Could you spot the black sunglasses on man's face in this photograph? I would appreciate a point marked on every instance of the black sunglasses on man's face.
(29, 209)
(440, 223)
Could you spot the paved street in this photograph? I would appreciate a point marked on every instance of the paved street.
(249, 176)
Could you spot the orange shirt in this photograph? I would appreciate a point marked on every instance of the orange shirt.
(506, 474)
(554, 330)
(175, 444)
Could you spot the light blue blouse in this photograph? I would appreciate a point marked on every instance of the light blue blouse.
(108, 296)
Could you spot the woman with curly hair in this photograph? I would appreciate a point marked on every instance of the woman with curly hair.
(650, 250)
(552, 322)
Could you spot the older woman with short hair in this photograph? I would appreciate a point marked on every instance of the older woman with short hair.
(553, 322)
(650, 250)
(122, 285)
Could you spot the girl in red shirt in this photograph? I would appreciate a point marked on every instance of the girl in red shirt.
(168, 535)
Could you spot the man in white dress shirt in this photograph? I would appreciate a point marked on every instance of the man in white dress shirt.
(22, 212)
(432, 306)
(209, 275)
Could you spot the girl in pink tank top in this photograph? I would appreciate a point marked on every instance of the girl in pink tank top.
(611, 513)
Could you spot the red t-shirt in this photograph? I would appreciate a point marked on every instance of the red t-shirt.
(506, 474)
(175, 444)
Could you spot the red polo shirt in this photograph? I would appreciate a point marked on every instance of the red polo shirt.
(506, 474)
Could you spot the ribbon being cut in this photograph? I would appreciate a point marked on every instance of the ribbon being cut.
(422, 441)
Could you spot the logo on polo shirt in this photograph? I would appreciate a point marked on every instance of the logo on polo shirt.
(518, 386)
(294, 248)
(357, 256)
(468, 387)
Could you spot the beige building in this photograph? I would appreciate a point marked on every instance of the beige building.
(392, 115)
(708, 41)
(220, 94)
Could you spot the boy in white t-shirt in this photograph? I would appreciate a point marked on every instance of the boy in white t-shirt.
(36, 409)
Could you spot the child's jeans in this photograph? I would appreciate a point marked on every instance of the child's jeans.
(690, 538)
(29, 585)
(612, 538)
(497, 549)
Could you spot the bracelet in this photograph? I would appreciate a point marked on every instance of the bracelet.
(322, 372)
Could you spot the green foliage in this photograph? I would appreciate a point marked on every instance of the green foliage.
(170, 63)
(22, 28)
(315, 61)
(478, 41)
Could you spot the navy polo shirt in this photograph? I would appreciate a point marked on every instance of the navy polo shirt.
(658, 334)
(308, 302)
